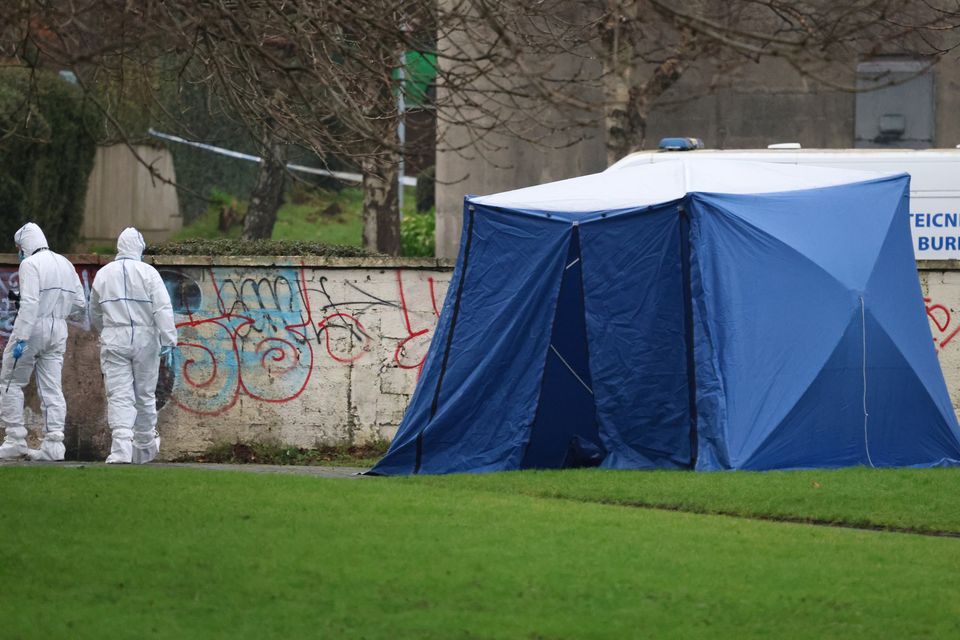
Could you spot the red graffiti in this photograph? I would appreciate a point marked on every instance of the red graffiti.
(941, 318)
(255, 337)
(408, 354)
(255, 346)
(349, 323)
(411, 344)
(433, 297)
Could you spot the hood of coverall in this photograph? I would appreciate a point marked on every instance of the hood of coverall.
(130, 244)
(29, 237)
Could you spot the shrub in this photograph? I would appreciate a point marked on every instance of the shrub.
(47, 149)
(416, 234)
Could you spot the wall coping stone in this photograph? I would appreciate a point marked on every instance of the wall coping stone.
(938, 265)
(333, 262)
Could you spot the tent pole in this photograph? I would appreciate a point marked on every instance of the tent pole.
(688, 329)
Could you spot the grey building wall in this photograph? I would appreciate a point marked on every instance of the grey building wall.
(517, 163)
(759, 104)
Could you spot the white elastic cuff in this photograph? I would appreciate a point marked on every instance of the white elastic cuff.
(144, 438)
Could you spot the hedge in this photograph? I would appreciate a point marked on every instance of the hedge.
(229, 247)
(47, 149)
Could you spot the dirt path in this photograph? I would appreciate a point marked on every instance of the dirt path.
(317, 471)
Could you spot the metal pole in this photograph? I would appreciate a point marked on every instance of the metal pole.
(401, 129)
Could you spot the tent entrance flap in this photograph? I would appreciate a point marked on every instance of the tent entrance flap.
(564, 432)
(637, 303)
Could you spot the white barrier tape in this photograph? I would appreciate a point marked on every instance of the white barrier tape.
(408, 181)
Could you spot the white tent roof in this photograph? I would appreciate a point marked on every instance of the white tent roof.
(628, 184)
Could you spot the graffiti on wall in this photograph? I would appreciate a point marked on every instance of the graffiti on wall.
(258, 333)
(943, 325)
(9, 281)
(343, 318)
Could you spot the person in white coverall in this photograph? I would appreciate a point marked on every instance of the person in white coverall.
(130, 306)
(50, 291)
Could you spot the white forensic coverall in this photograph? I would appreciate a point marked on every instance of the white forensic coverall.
(130, 306)
(50, 290)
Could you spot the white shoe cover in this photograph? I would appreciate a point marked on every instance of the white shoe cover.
(145, 453)
(49, 451)
(121, 447)
(51, 448)
(13, 448)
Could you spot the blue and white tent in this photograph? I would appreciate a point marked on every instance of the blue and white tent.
(698, 314)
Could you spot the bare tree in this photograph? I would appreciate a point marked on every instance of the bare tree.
(321, 75)
(629, 53)
(294, 72)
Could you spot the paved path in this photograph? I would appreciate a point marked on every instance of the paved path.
(318, 471)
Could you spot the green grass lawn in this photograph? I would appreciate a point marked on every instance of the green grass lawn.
(308, 219)
(921, 499)
(159, 552)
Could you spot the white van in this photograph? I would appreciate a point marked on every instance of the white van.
(934, 184)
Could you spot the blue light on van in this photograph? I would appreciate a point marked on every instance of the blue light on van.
(680, 144)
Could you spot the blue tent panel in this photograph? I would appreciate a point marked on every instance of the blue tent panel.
(904, 427)
(894, 302)
(825, 425)
(784, 309)
(773, 318)
(633, 295)
(478, 392)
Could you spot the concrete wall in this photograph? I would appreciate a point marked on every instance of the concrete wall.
(310, 351)
(488, 142)
(769, 102)
(512, 164)
(941, 290)
(298, 351)
(756, 105)
(121, 193)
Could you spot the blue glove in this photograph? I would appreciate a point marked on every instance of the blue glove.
(19, 348)
(168, 354)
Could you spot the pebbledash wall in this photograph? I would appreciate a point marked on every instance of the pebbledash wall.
(309, 351)
(297, 351)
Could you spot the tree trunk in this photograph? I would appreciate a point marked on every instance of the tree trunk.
(616, 118)
(618, 70)
(381, 218)
(267, 196)
(628, 100)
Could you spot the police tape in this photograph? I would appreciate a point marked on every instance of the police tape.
(407, 181)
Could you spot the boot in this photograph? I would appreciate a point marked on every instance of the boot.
(15, 444)
(121, 447)
(51, 448)
(146, 446)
